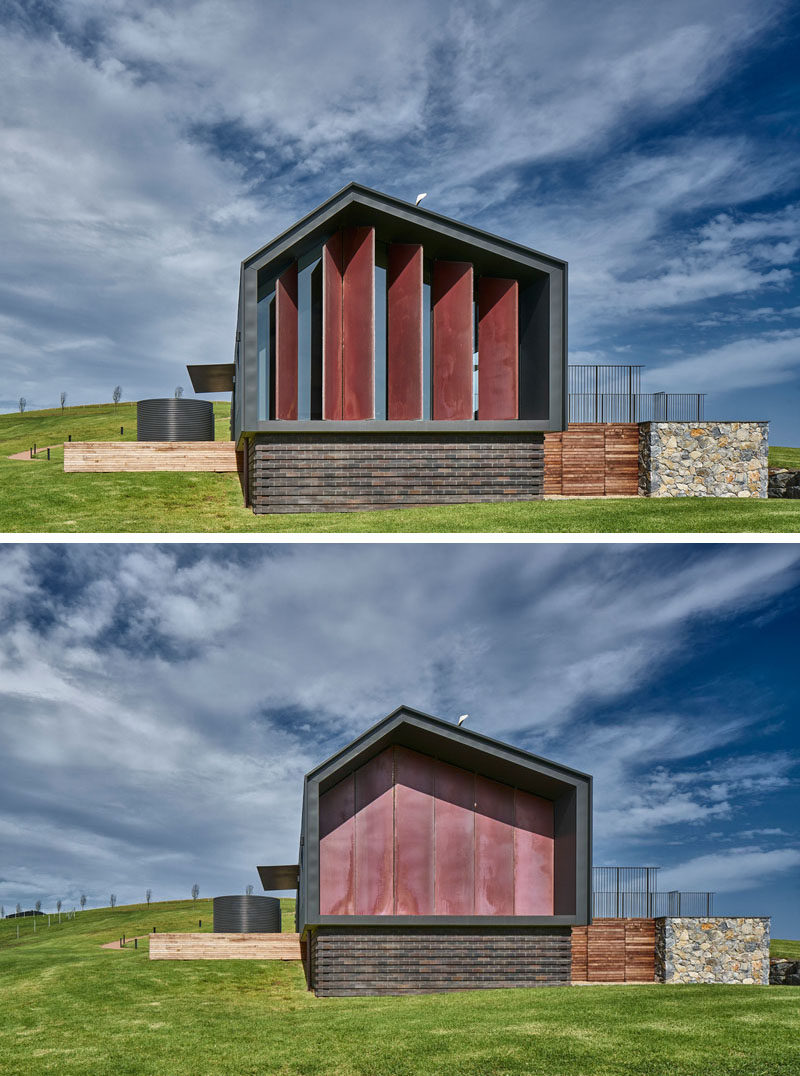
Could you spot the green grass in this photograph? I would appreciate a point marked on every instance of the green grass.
(39, 498)
(780, 456)
(785, 948)
(69, 1007)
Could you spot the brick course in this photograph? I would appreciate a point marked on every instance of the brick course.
(344, 472)
(382, 960)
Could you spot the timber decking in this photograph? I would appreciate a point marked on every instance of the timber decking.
(614, 951)
(99, 456)
(225, 947)
(592, 460)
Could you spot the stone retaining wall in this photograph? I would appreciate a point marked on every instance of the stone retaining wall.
(784, 482)
(784, 972)
(703, 459)
(713, 950)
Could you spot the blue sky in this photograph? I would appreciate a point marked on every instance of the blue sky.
(161, 703)
(147, 148)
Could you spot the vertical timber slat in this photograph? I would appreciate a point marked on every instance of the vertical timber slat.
(332, 274)
(286, 344)
(498, 348)
(404, 332)
(358, 323)
(451, 301)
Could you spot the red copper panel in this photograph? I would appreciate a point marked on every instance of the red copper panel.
(286, 344)
(454, 823)
(413, 838)
(451, 301)
(337, 849)
(332, 327)
(374, 844)
(494, 848)
(404, 332)
(498, 348)
(358, 323)
(533, 855)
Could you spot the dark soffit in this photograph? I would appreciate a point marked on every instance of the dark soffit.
(212, 377)
(284, 876)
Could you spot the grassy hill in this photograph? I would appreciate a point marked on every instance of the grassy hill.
(67, 1006)
(37, 497)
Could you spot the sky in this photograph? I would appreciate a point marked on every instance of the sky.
(161, 703)
(148, 148)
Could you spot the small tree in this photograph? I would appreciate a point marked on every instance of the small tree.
(249, 891)
(63, 399)
(195, 891)
(116, 395)
(148, 894)
(179, 392)
(113, 900)
(2, 912)
(38, 905)
(23, 403)
(19, 908)
(83, 901)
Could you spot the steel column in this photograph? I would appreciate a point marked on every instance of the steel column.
(286, 344)
(451, 301)
(498, 348)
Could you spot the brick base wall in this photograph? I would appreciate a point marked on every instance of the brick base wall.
(344, 472)
(378, 960)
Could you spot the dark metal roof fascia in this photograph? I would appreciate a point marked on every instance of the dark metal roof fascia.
(474, 740)
(376, 200)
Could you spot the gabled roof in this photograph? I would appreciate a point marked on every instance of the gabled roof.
(401, 222)
(459, 746)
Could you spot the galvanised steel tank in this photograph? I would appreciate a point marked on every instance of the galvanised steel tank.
(247, 915)
(174, 420)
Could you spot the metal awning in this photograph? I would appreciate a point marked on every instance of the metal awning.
(212, 377)
(283, 877)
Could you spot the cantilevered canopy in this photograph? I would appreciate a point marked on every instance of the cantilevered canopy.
(283, 877)
(213, 377)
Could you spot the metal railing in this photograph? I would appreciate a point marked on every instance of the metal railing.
(636, 407)
(650, 905)
(632, 893)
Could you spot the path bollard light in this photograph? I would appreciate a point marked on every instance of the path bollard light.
(69, 437)
(199, 922)
(154, 930)
(122, 429)
(135, 943)
(48, 453)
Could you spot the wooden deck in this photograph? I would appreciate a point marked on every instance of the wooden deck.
(225, 947)
(100, 456)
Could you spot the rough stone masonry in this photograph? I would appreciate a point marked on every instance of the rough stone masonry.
(713, 950)
(703, 459)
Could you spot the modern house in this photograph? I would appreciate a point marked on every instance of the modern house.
(432, 856)
(388, 355)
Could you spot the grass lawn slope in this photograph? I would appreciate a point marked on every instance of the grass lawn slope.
(37, 497)
(68, 1006)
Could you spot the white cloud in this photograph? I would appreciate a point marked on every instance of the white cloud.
(732, 871)
(769, 358)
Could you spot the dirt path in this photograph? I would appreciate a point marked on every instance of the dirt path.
(26, 455)
(117, 945)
